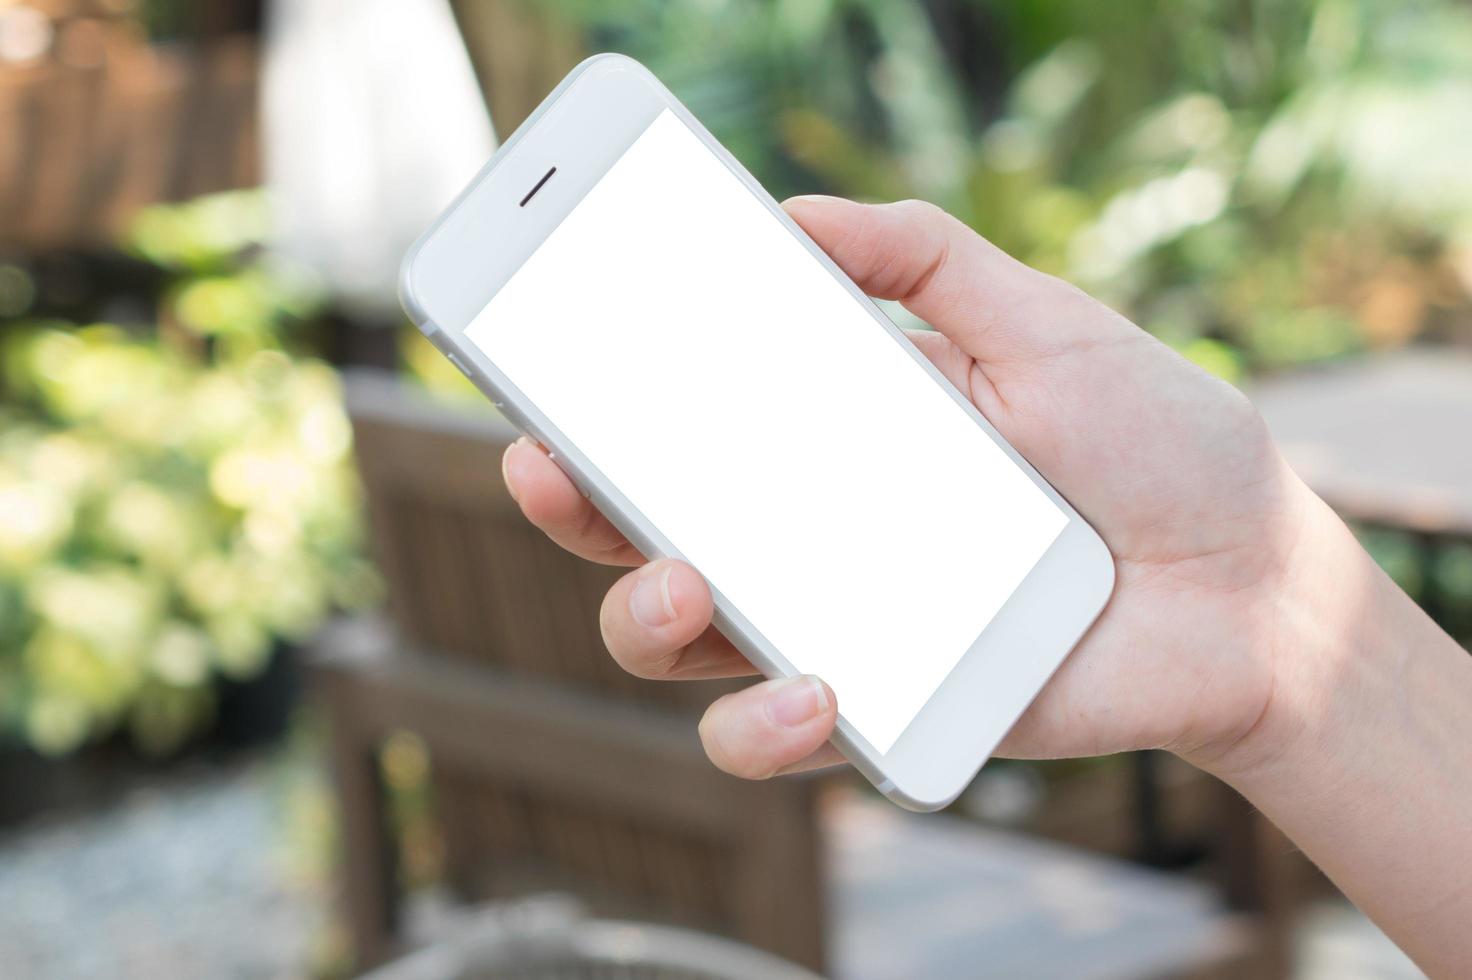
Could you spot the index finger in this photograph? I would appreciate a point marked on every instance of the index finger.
(550, 501)
(992, 306)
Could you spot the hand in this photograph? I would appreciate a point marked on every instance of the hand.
(1172, 466)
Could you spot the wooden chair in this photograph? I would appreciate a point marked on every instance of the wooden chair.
(555, 771)
(553, 768)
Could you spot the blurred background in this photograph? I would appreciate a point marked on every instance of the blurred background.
(286, 688)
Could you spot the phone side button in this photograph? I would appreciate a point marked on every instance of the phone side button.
(456, 361)
(572, 479)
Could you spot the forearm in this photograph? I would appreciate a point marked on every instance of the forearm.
(1364, 755)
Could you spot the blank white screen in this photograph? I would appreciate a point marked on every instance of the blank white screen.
(742, 400)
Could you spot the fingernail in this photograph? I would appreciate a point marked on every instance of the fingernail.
(650, 601)
(794, 701)
(506, 472)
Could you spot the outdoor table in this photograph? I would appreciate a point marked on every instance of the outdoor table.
(1385, 439)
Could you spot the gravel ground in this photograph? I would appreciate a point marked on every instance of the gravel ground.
(214, 876)
(190, 880)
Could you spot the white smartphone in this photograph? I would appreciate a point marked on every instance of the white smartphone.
(633, 300)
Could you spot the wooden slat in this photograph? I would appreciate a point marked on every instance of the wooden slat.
(467, 576)
(369, 869)
(520, 51)
(83, 148)
(540, 736)
(564, 771)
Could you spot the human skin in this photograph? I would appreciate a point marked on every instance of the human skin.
(1248, 632)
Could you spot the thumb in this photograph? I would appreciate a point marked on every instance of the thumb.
(993, 307)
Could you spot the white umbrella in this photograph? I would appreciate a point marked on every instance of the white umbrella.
(372, 122)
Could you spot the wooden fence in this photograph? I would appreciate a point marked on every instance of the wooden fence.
(87, 138)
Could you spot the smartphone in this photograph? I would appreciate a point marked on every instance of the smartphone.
(629, 296)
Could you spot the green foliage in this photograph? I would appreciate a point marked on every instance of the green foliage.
(1400, 554)
(1436, 572)
(172, 504)
(1263, 184)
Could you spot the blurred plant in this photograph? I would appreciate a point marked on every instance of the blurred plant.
(1436, 573)
(405, 766)
(1270, 184)
(226, 293)
(1400, 554)
(172, 505)
(1275, 183)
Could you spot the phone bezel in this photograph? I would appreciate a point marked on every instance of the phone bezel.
(485, 235)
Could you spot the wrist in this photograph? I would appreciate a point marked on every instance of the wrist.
(1355, 666)
(1360, 751)
(1324, 619)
